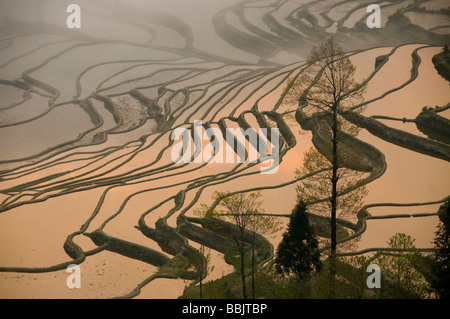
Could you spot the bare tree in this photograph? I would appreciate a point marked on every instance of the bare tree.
(315, 189)
(246, 212)
(205, 266)
(263, 225)
(328, 87)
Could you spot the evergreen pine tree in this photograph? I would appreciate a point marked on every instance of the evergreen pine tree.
(298, 251)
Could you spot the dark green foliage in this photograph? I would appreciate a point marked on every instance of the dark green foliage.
(441, 268)
(401, 278)
(441, 62)
(298, 251)
(433, 125)
(380, 60)
(271, 285)
(226, 287)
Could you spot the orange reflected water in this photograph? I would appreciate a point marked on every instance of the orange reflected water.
(33, 235)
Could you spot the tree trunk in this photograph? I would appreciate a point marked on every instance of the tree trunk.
(201, 278)
(334, 180)
(253, 266)
(244, 286)
(201, 290)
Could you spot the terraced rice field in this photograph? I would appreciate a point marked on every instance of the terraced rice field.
(86, 117)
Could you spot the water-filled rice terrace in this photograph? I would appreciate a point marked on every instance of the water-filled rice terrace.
(86, 117)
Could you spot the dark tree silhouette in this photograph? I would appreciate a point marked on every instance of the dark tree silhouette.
(246, 212)
(328, 87)
(205, 266)
(298, 251)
